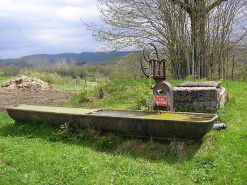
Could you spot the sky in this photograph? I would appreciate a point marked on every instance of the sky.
(46, 27)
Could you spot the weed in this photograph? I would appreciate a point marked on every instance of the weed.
(191, 78)
(83, 97)
(102, 143)
(64, 131)
(82, 135)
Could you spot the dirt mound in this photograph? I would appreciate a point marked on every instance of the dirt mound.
(14, 97)
(27, 83)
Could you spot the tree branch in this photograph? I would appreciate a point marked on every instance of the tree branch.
(216, 3)
(184, 6)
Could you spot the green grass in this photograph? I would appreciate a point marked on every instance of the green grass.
(5, 78)
(76, 88)
(34, 153)
(119, 94)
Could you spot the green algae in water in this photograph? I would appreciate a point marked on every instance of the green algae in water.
(169, 116)
(66, 110)
(177, 116)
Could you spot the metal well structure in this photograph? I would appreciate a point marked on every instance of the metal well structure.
(155, 68)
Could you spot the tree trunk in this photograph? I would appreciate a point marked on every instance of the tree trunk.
(233, 60)
(85, 82)
(193, 48)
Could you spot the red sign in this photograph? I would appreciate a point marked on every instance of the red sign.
(161, 101)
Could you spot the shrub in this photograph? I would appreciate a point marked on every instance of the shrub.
(11, 70)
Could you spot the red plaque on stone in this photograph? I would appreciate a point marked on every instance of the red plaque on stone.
(162, 101)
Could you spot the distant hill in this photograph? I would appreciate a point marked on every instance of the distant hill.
(84, 57)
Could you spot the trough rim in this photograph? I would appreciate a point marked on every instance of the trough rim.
(214, 116)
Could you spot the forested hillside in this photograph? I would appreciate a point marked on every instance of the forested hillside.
(84, 57)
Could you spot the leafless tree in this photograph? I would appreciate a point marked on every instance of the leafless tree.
(61, 65)
(194, 34)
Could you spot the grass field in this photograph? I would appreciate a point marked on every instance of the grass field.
(33, 153)
(76, 88)
(4, 78)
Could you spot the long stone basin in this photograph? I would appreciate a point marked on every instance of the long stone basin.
(144, 124)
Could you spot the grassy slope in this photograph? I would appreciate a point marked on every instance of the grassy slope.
(32, 154)
(120, 94)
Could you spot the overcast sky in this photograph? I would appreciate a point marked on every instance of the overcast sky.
(46, 27)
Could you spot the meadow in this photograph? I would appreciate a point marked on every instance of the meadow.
(34, 153)
(4, 78)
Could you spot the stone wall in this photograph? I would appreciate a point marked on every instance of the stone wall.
(200, 96)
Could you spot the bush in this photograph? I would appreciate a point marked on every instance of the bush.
(11, 70)
(51, 78)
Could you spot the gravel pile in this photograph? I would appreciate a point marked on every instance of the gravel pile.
(27, 83)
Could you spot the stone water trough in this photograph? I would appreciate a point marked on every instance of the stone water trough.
(144, 124)
(207, 96)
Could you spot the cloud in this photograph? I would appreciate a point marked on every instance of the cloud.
(73, 14)
(47, 26)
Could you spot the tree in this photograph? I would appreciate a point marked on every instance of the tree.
(184, 29)
(130, 64)
(1, 62)
(198, 11)
(61, 66)
(10, 70)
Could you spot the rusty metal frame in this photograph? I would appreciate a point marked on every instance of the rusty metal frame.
(154, 63)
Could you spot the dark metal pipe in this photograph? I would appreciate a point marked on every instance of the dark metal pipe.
(221, 126)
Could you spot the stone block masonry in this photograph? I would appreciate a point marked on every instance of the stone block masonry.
(205, 96)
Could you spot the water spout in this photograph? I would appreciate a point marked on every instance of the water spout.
(221, 126)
